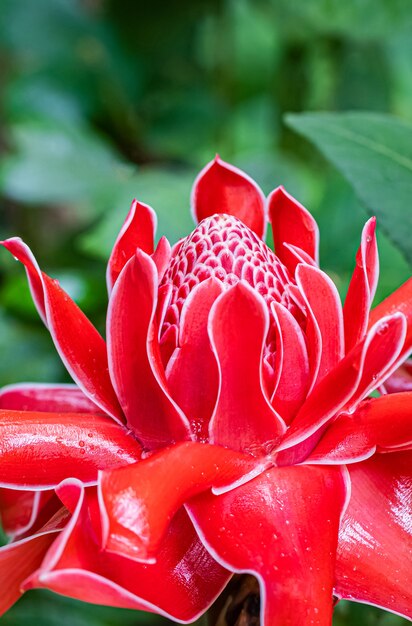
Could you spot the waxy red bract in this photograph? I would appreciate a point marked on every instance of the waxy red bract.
(225, 425)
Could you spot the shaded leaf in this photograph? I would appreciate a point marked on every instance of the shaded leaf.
(374, 152)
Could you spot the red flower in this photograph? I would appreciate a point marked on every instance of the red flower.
(227, 426)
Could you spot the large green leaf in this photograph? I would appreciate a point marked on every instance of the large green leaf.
(374, 152)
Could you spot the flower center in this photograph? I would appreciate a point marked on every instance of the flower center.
(223, 247)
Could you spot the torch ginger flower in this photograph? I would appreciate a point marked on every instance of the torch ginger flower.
(226, 426)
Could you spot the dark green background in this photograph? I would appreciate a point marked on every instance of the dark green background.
(103, 101)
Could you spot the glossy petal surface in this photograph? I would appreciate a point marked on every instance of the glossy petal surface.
(362, 287)
(346, 385)
(181, 584)
(222, 188)
(399, 301)
(243, 418)
(291, 365)
(71, 444)
(138, 231)
(196, 394)
(18, 560)
(324, 329)
(134, 357)
(43, 397)
(381, 424)
(80, 346)
(374, 562)
(17, 510)
(134, 522)
(266, 527)
(401, 379)
(292, 224)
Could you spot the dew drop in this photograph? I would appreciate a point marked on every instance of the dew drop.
(82, 451)
(383, 328)
(81, 444)
(90, 434)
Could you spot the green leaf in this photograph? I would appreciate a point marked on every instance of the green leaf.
(48, 609)
(374, 153)
(55, 163)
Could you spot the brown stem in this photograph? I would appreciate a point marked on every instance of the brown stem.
(238, 605)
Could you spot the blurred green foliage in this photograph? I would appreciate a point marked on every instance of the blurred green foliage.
(104, 100)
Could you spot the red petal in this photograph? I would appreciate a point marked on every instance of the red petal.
(399, 301)
(347, 383)
(22, 253)
(291, 366)
(161, 257)
(192, 374)
(223, 188)
(17, 510)
(374, 561)
(25, 512)
(300, 255)
(325, 321)
(267, 527)
(181, 584)
(243, 418)
(138, 231)
(292, 224)
(46, 397)
(140, 500)
(382, 356)
(38, 450)
(362, 287)
(80, 346)
(401, 379)
(134, 356)
(20, 559)
(383, 423)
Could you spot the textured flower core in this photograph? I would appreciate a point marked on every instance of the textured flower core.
(224, 248)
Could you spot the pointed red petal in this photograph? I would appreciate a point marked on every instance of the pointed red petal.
(140, 500)
(134, 356)
(291, 366)
(192, 373)
(181, 584)
(384, 423)
(20, 559)
(292, 224)
(161, 257)
(51, 398)
(243, 418)
(362, 287)
(38, 450)
(374, 561)
(138, 231)
(399, 301)
(345, 386)
(80, 346)
(223, 188)
(22, 253)
(267, 527)
(382, 356)
(325, 321)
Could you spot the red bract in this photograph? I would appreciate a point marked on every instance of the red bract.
(226, 426)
